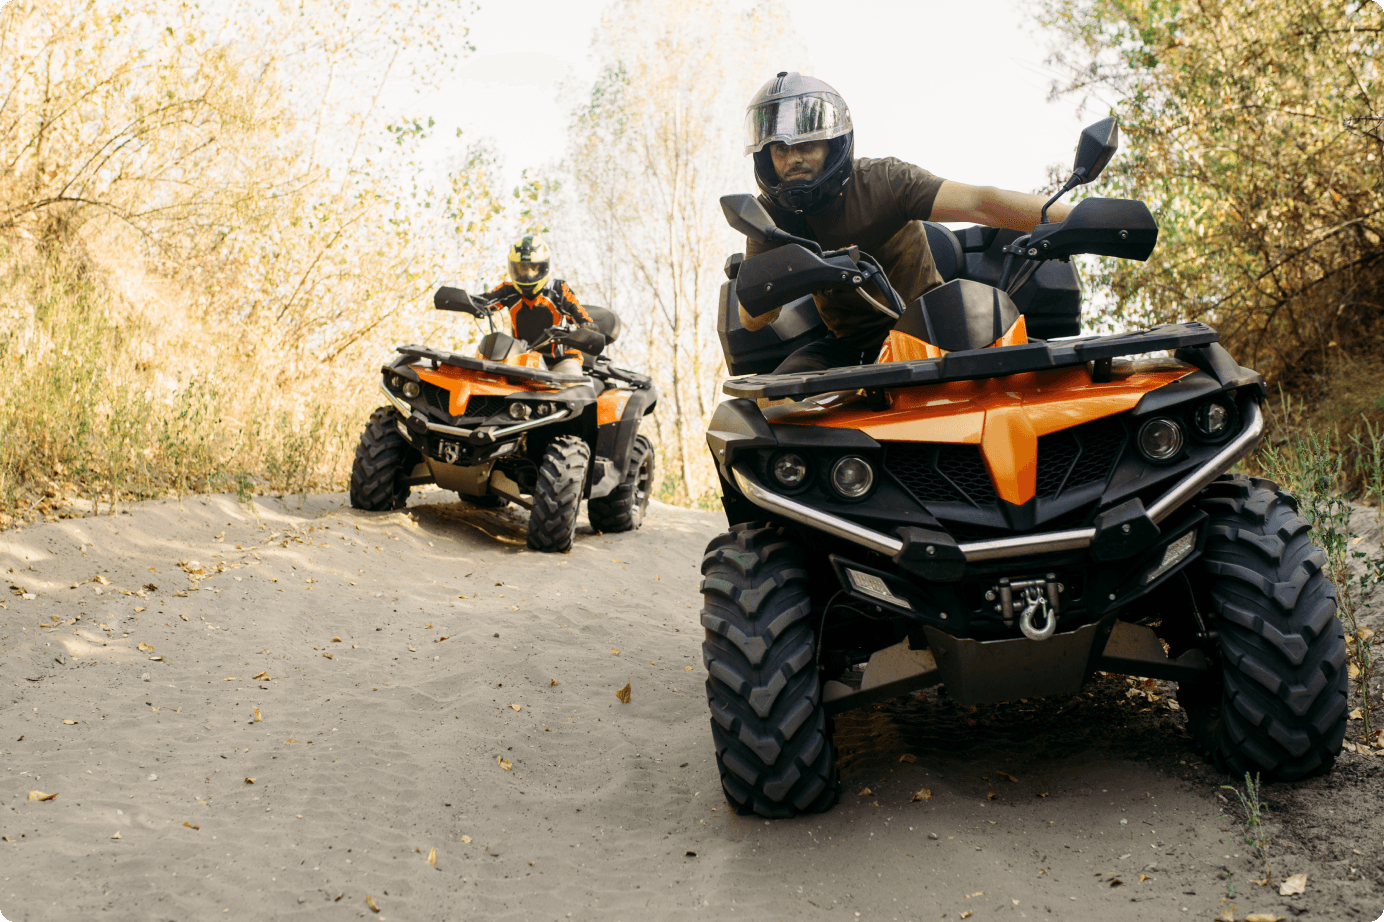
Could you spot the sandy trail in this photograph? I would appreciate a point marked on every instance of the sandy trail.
(459, 651)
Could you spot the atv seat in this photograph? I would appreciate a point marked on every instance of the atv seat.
(946, 251)
(606, 320)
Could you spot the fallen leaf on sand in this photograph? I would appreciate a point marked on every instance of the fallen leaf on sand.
(515, 707)
(116, 836)
(505, 763)
(1043, 794)
(1144, 877)
(906, 757)
(69, 722)
(184, 617)
(1116, 882)
(1353, 670)
(1008, 776)
(440, 639)
(689, 854)
(336, 640)
(156, 659)
(371, 903)
(686, 668)
(466, 839)
(145, 647)
(257, 716)
(411, 649)
(263, 676)
(39, 795)
(623, 695)
(1225, 915)
(922, 794)
(865, 792)
(432, 858)
(552, 682)
(1356, 714)
(140, 609)
(290, 741)
(1293, 885)
(329, 656)
(249, 780)
(614, 652)
(190, 826)
(1263, 917)
(991, 795)
(966, 914)
(229, 678)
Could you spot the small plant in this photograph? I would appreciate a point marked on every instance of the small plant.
(1251, 810)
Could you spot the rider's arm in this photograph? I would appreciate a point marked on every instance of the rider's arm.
(994, 207)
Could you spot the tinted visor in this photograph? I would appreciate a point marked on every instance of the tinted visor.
(526, 273)
(809, 117)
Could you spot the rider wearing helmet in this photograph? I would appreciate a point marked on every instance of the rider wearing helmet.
(799, 132)
(536, 302)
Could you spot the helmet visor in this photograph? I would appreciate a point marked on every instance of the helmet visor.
(809, 117)
(526, 273)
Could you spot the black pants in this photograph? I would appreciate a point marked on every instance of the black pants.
(826, 353)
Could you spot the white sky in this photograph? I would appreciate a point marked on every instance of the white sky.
(955, 87)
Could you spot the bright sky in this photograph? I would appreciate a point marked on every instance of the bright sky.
(955, 87)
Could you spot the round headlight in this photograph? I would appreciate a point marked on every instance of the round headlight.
(852, 477)
(789, 469)
(411, 389)
(519, 410)
(1212, 419)
(1160, 439)
(543, 409)
(396, 381)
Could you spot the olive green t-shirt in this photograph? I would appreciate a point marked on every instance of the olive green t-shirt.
(881, 211)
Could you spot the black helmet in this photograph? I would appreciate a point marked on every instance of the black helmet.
(792, 108)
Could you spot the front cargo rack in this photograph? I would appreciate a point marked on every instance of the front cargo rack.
(991, 362)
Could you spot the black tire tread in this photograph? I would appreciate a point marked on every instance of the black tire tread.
(383, 459)
(623, 509)
(768, 725)
(1278, 707)
(557, 494)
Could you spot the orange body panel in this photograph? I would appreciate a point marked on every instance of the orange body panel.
(463, 384)
(1004, 416)
(610, 405)
(900, 347)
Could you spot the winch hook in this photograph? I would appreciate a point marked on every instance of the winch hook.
(1037, 604)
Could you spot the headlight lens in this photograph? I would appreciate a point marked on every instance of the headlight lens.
(520, 410)
(395, 381)
(1160, 439)
(852, 477)
(543, 409)
(789, 469)
(411, 389)
(1212, 419)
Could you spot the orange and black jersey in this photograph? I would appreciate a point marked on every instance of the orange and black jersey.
(554, 305)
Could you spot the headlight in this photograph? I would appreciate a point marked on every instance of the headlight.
(789, 469)
(1160, 439)
(543, 409)
(852, 477)
(1212, 420)
(519, 410)
(395, 381)
(411, 389)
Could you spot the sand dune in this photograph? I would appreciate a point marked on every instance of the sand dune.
(280, 709)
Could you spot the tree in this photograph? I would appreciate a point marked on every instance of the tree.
(655, 143)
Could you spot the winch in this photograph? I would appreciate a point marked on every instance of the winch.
(1034, 600)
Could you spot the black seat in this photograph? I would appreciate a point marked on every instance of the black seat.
(946, 251)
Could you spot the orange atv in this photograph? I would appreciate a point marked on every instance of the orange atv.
(1002, 514)
(500, 427)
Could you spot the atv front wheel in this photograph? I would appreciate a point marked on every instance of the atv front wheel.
(1276, 702)
(383, 460)
(623, 509)
(767, 720)
(557, 494)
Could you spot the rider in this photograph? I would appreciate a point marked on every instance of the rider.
(535, 303)
(799, 130)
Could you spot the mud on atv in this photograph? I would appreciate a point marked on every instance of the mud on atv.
(500, 427)
(1005, 515)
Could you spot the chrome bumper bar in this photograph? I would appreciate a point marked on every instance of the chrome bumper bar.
(975, 551)
(493, 436)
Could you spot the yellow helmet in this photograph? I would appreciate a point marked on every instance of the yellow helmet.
(528, 264)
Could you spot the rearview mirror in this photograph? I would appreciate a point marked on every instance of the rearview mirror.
(1097, 145)
(454, 299)
(745, 214)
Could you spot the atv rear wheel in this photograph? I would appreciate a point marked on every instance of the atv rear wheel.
(384, 459)
(767, 720)
(1275, 703)
(623, 509)
(557, 493)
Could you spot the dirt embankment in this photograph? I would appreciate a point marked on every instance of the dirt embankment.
(279, 710)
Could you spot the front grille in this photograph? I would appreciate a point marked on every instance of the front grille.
(484, 406)
(957, 474)
(1077, 457)
(438, 398)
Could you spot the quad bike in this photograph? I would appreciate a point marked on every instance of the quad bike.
(500, 427)
(1000, 513)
